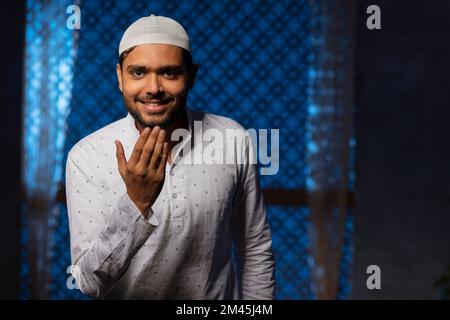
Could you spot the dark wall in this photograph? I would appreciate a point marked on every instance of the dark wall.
(403, 154)
(12, 28)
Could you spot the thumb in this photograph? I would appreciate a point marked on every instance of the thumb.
(120, 155)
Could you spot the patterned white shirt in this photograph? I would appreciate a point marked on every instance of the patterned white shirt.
(185, 248)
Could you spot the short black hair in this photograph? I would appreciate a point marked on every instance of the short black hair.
(187, 57)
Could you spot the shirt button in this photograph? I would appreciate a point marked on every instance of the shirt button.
(174, 196)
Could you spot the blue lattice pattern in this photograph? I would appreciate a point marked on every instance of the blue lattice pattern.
(289, 227)
(61, 285)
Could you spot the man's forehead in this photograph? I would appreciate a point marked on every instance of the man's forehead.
(155, 54)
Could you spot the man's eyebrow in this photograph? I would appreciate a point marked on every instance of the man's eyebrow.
(136, 67)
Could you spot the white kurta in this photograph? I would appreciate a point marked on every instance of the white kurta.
(184, 249)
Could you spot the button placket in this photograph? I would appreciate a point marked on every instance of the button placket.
(174, 189)
(177, 205)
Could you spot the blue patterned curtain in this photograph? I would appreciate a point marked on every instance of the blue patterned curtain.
(330, 146)
(49, 63)
(262, 63)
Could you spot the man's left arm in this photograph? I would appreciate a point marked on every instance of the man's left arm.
(252, 237)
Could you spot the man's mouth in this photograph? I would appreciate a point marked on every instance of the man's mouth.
(155, 105)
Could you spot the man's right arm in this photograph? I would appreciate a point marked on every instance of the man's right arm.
(103, 242)
(103, 239)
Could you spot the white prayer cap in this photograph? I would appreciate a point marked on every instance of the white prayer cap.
(154, 29)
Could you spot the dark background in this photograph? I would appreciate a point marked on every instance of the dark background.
(402, 219)
(402, 99)
(12, 29)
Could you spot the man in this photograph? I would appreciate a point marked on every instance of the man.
(144, 225)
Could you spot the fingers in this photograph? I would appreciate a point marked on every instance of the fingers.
(162, 164)
(147, 151)
(138, 147)
(156, 156)
(121, 160)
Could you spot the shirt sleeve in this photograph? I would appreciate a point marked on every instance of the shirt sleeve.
(252, 237)
(103, 240)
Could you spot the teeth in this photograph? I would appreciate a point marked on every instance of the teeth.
(153, 104)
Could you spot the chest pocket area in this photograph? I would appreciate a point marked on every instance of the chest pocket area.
(113, 192)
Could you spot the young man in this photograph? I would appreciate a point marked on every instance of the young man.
(144, 225)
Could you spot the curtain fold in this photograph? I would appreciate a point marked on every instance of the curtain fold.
(49, 60)
(330, 132)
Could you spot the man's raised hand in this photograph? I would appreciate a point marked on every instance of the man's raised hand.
(144, 172)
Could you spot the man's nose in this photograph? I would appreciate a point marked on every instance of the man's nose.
(153, 85)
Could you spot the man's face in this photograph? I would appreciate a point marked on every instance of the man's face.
(154, 84)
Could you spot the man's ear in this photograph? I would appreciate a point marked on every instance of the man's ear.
(119, 76)
(192, 75)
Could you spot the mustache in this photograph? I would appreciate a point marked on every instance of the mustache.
(163, 97)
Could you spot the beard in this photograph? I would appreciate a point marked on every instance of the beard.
(163, 119)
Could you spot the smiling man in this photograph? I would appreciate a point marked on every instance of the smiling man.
(146, 226)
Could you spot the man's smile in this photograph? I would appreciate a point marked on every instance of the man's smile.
(155, 105)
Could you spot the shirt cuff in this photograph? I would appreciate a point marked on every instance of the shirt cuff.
(151, 215)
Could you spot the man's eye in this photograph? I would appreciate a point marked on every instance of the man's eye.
(137, 73)
(169, 74)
